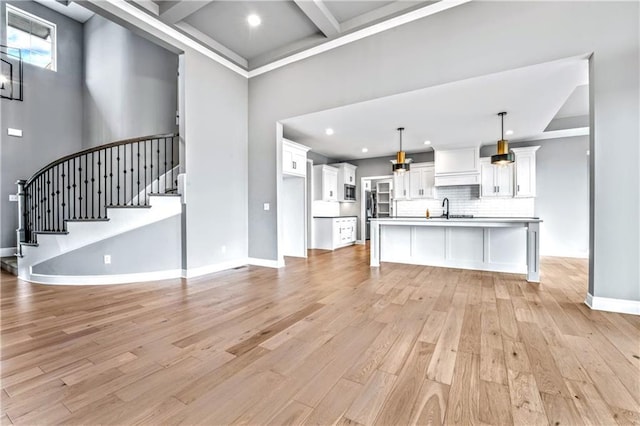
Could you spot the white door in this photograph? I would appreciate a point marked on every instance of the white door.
(428, 181)
(330, 186)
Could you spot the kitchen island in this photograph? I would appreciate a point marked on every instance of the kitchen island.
(486, 244)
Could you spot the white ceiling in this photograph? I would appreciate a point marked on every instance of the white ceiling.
(577, 104)
(283, 23)
(288, 26)
(458, 114)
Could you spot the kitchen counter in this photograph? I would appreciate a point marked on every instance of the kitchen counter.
(500, 244)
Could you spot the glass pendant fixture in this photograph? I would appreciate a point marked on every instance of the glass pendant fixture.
(401, 163)
(503, 156)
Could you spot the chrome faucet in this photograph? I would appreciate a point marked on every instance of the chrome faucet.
(445, 213)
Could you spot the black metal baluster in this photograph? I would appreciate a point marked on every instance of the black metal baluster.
(138, 152)
(131, 170)
(171, 164)
(68, 190)
(73, 186)
(150, 168)
(57, 204)
(93, 179)
(124, 175)
(111, 175)
(145, 172)
(158, 168)
(86, 187)
(48, 221)
(99, 184)
(63, 204)
(118, 174)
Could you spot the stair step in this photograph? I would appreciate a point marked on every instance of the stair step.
(164, 194)
(128, 207)
(9, 264)
(30, 244)
(106, 219)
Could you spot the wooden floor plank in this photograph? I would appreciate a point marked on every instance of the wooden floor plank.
(325, 340)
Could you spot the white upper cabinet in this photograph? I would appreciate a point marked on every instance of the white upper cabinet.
(457, 166)
(325, 183)
(401, 184)
(294, 158)
(422, 177)
(496, 181)
(346, 182)
(525, 171)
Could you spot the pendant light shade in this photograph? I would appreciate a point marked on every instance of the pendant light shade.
(401, 163)
(503, 156)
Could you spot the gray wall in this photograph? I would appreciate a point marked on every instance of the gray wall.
(465, 42)
(50, 115)
(216, 162)
(131, 84)
(562, 200)
(152, 248)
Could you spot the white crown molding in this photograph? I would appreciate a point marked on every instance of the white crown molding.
(621, 306)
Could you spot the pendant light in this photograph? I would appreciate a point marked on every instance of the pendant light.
(400, 164)
(503, 156)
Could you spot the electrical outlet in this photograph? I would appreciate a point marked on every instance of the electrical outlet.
(14, 132)
(13, 197)
(107, 259)
(266, 206)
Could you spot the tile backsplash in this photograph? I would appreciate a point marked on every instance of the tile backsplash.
(466, 200)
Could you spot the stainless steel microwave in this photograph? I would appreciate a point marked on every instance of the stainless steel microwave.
(349, 192)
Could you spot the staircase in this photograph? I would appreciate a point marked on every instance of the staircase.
(94, 195)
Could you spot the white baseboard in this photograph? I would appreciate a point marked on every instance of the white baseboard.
(7, 251)
(266, 263)
(103, 279)
(621, 306)
(216, 267)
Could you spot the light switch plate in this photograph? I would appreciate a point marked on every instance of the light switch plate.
(107, 259)
(13, 197)
(14, 132)
(267, 206)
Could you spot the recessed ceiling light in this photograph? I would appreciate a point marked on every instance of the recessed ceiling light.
(329, 131)
(254, 20)
(365, 150)
(509, 132)
(427, 142)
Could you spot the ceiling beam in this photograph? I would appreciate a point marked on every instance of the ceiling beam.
(148, 5)
(320, 16)
(181, 10)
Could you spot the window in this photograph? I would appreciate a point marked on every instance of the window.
(34, 36)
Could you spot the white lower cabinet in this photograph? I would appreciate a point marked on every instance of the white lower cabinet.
(331, 233)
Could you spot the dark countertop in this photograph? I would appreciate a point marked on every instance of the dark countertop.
(332, 217)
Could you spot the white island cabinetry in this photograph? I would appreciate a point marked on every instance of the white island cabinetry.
(487, 244)
(331, 233)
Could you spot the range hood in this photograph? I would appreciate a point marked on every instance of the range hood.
(457, 167)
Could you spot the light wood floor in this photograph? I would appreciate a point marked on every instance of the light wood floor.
(321, 341)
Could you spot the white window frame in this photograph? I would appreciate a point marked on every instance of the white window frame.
(54, 34)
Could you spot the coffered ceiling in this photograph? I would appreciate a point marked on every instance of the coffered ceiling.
(287, 26)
